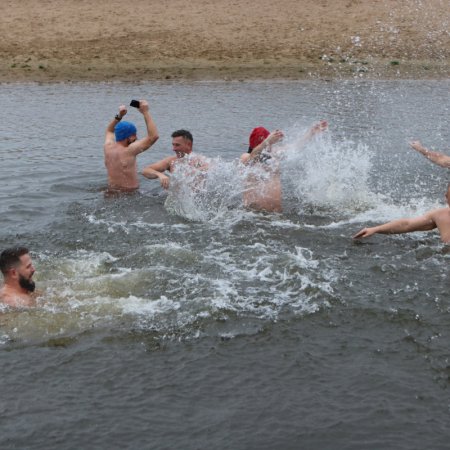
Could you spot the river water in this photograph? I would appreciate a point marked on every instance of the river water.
(182, 320)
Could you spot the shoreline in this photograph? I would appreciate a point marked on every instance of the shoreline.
(363, 69)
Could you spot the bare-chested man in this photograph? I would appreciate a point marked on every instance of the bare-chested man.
(122, 146)
(437, 218)
(17, 268)
(263, 186)
(182, 143)
(262, 190)
(436, 157)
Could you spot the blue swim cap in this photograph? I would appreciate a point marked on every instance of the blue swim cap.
(124, 130)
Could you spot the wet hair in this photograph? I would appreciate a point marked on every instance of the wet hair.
(183, 133)
(10, 258)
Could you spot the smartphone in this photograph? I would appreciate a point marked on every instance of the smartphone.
(134, 103)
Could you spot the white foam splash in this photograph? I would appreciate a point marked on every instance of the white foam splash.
(319, 176)
(323, 175)
(86, 290)
(205, 196)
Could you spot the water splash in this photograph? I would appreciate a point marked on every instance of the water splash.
(205, 196)
(185, 289)
(320, 175)
(326, 176)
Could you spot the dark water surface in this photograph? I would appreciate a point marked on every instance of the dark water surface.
(181, 320)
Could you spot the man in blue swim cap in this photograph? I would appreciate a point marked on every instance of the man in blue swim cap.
(122, 147)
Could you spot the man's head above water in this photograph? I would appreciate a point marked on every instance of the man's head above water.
(182, 141)
(125, 130)
(17, 267)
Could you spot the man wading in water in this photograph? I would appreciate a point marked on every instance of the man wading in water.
(182, 142)
(17, 268)
(122, 146)
(437, 218)
(263, 190)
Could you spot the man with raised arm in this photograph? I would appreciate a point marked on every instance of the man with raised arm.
(18, 287)
(263, 191)
(436, 157)
(261, 141)
(437, 218)
(122, 147)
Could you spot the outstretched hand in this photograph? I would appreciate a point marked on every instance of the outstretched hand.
(275, 137)
(319, 127)
(417, 146)
(365, 232)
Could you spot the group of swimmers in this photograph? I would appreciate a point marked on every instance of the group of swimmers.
(122, 147)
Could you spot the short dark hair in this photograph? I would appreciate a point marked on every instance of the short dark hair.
(10, 258)
(183, 133)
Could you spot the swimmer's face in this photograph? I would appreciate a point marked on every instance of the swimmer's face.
(181, 146)
(25, 271)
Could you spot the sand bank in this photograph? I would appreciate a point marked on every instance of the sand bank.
(138, 40)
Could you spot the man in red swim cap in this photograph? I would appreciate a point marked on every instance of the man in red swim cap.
(263, 188)
(258, 141)
(257, 135)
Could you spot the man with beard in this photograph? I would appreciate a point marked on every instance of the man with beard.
(17, 268)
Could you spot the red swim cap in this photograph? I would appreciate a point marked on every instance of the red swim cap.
(257, 136)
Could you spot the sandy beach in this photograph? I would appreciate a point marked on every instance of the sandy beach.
(111, 40)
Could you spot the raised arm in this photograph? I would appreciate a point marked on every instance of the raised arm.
(436, 157)
(421, 223)
(143, 144)
(109, 135)
(273, 138)
(315, 129)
